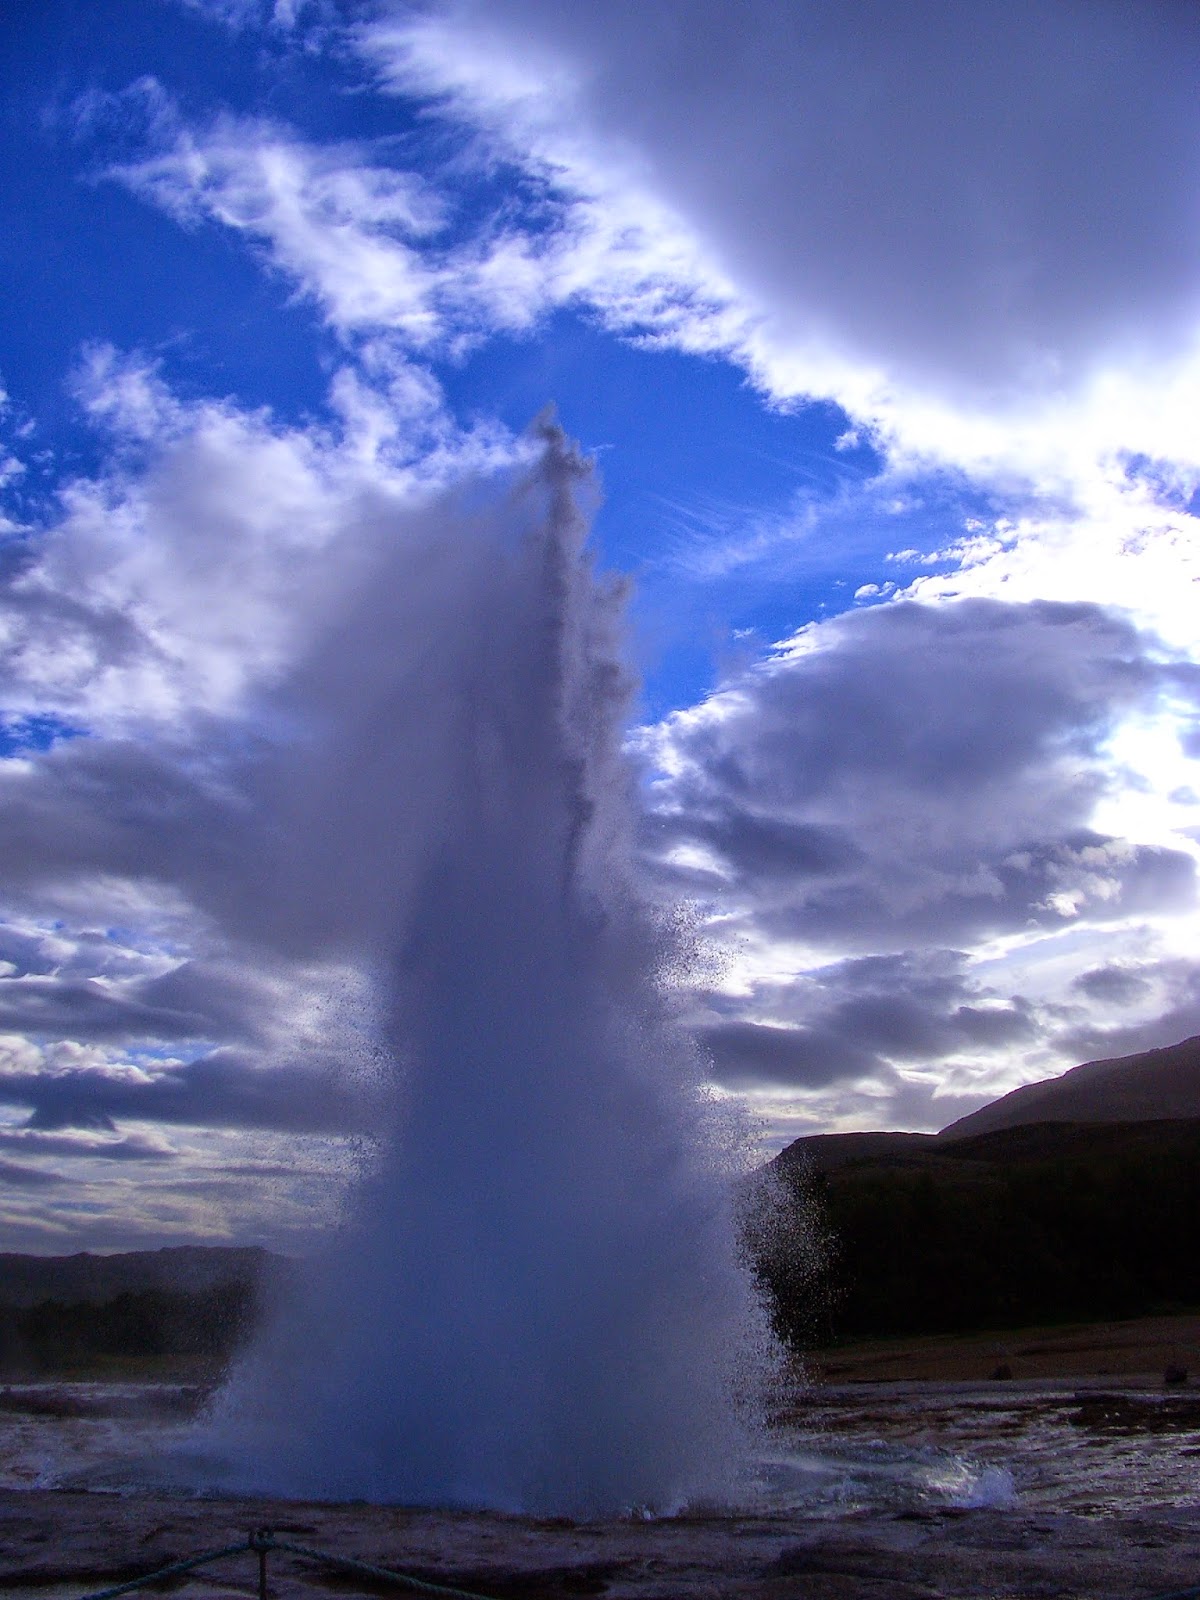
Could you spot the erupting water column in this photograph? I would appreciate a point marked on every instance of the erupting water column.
(538, 1303)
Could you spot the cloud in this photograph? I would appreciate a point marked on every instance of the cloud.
(908, 775)
(205, 617)
(280, 15)
(753, 1055)
(915, 211)
(19, 1177)
(188, 1002)
(220, 1090)
(342, 228)
(962, 259)
(430, 262)
(378, 248)
(855, 1021)
(50, 1007)
(183, 579)
(988, 257)
(1148, 1003)
(262, 792)
(32, 1142)
(1114, 983)
(915, 772)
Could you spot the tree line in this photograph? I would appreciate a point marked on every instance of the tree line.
(56, 1337)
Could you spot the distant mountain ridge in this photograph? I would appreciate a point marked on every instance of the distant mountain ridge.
(1019, 1226)
(85, 1279)
(1153, 1086)
(1072, 1199)
(1149, 1087)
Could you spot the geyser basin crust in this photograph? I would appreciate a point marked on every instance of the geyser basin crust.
(72, 1542)
(538, 1302)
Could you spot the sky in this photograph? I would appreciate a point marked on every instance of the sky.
(882, 327)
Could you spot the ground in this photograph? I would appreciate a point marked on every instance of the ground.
(62, 1544)
(1098, 1454)
(1141, 1347)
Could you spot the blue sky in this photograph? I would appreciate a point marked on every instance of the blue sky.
(887, 348)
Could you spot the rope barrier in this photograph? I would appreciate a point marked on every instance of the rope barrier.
(261, 1542)
(387, 1573)
(170, 1572)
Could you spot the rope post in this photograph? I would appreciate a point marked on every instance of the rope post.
(260, 1541)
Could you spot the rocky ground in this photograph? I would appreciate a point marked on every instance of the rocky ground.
(60, 1544)
(1104, 1543)
(1142, 1348)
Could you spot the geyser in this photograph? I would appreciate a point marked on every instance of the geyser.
(537, 1300)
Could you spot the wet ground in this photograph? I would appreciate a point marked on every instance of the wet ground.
(898, 1490)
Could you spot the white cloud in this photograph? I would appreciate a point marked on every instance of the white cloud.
(976, 232)
(280, 16)
(976, 774)
(980, 287)
(341, 228)
(206, 612)
(185, 577)
(372, 245)
(380, 249)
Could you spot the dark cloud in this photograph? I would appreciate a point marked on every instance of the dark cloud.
(747, 1055)
(191, 1002)
(25, 952)
(31, 1142)
(904, 1027)
(1083, 877)
(1174, 983)
(764, 848)
(858, 1018)
(113, 807)
(54, 1008)
(975, 199)
(221, 1090)
(919, 773)
(19, 1177)
(900, 778)
(935, 698)
(1113, 984)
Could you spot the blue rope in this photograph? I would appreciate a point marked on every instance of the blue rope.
(262, 1541)
(167, 1572)
(386, 1573)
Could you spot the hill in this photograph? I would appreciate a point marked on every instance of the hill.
(170, 1312)
(1074, 1198)
(1139, 1088)
(85, 1279)
(1038, 1223)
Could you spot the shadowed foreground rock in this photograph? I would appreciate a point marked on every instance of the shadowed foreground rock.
(61, 1543)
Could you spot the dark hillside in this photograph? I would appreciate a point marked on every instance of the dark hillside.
(1139, 1088)
(90, 1279)
(147, 1311)
(1034, 1224)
